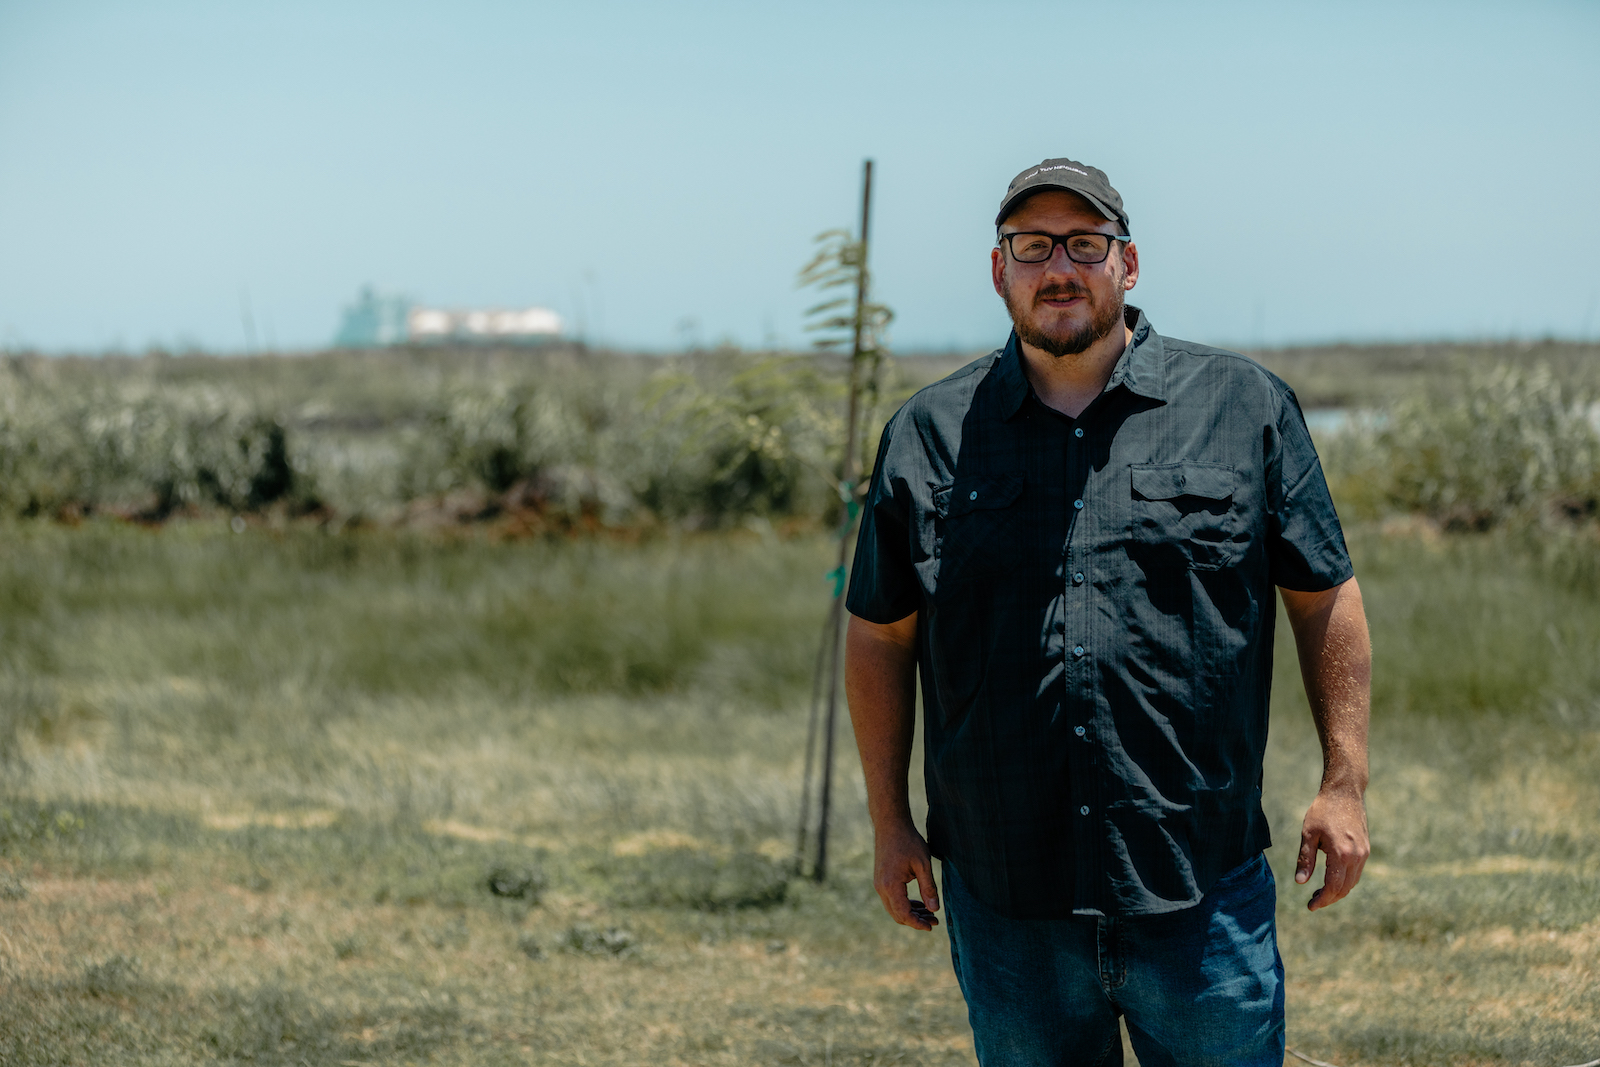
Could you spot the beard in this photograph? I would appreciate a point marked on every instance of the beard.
(1071, 340)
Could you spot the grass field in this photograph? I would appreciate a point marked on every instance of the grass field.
(288, 797)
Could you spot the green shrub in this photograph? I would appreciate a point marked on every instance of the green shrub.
(139, 449)
(703, 441)
(747, 436)
(1511, 446)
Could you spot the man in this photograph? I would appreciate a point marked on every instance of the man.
(1075, 540)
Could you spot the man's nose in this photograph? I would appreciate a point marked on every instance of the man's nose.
(1059, 262)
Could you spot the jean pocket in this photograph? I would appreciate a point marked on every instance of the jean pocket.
(1244, 881)
(1185, 511)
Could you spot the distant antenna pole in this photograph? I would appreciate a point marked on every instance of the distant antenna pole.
(249, 322)
(849, 472)
(597, 307)
(580, 316)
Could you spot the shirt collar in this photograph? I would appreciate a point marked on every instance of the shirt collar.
(1009, 376)
(1140, 368)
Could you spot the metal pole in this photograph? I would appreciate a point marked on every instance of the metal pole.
(847, 482)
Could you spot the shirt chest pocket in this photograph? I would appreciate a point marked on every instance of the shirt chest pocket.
(1186, 512)
(978, 527)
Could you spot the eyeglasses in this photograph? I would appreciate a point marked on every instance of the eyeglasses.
(1081, 247)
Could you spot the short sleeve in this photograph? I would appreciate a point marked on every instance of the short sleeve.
(883, 583)
(1305, 544)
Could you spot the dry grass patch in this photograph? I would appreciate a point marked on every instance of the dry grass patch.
(332, 976)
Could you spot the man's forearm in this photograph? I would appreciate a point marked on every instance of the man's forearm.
(880, 685)
(1330, 629)
(1335, 652)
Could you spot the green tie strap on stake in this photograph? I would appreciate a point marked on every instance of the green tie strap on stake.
(849, 523)
(852, 508)
(836, 576)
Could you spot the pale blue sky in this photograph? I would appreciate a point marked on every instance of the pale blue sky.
(1294, 171)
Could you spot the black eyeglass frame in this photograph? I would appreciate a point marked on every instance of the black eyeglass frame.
(1061, 240)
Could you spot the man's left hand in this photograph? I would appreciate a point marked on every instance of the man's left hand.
(1337, 825)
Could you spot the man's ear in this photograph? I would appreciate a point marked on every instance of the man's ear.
(997, 267)
(1130, 265)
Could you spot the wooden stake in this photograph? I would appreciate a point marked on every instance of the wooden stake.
(849, 472)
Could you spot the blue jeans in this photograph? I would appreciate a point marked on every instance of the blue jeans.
(1198, 986)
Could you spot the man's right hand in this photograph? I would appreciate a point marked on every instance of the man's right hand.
(902, 856)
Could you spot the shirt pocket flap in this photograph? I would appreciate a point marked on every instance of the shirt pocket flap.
(1169, 481)
(980, 494)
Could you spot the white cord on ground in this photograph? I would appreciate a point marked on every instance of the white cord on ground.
(1308, 1059)
(1320, 1063)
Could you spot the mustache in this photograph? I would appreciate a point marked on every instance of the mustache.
(1055, 292)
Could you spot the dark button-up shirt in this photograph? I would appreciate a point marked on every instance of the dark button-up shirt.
(1096, 616)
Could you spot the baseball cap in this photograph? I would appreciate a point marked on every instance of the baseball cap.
(1088, 182)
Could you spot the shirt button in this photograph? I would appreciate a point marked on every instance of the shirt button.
(1078, 432)
(1080, 731)
(973, 495)
(1077, 650)
(1078, 504)
(1084, 810)
(1077, 579)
